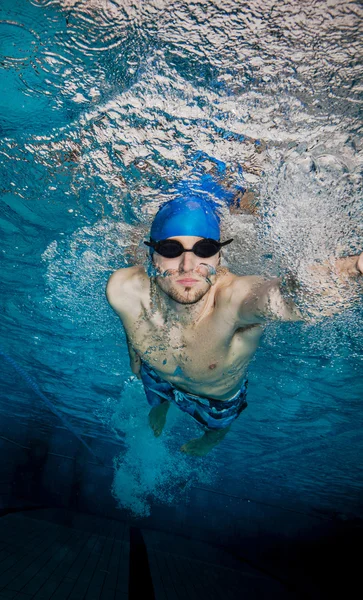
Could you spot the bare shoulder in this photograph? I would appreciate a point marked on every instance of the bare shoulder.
(125, 285)
(127, 276)
(235, 288)
(241, 296)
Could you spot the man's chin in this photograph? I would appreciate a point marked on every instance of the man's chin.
(186, 300)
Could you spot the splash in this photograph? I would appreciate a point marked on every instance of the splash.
(206, 271)
(312, 215)
(203, 269)
(153, 470)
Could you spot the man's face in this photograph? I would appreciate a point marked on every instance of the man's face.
(185, 279)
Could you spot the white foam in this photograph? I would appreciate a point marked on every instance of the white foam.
(153, 470)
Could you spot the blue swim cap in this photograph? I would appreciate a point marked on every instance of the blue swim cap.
(186, 216)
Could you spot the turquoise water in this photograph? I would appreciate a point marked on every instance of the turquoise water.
(105, 108)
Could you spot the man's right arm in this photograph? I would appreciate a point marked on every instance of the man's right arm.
(135, 360)
(119, 293)
(119, 290)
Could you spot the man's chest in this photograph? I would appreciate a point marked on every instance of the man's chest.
(172, 346)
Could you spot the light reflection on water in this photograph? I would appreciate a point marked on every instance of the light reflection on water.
(108, 106)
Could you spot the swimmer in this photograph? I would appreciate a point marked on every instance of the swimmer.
(192, 326)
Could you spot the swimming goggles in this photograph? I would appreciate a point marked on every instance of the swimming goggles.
(205, 248)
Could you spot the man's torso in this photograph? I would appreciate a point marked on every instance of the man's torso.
(207, 358)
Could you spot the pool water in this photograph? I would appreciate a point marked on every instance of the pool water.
(106, 107)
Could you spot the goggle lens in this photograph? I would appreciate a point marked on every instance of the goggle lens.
(172, 248)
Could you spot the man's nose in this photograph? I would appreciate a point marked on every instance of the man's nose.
(187, 261)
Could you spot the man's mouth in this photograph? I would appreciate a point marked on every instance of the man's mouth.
(187, 281)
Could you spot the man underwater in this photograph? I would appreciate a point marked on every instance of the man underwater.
(192, 326)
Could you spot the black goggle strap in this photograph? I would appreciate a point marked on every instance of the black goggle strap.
(153, 244)
(225, 243)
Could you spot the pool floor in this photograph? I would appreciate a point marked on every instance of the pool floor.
(56, 554)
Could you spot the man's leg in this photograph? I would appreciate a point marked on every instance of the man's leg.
(157, 417)
(201, 446)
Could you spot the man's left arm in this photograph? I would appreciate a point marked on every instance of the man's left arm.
(349, 266)
(328, 284)
(261, 300)
(271, 299)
